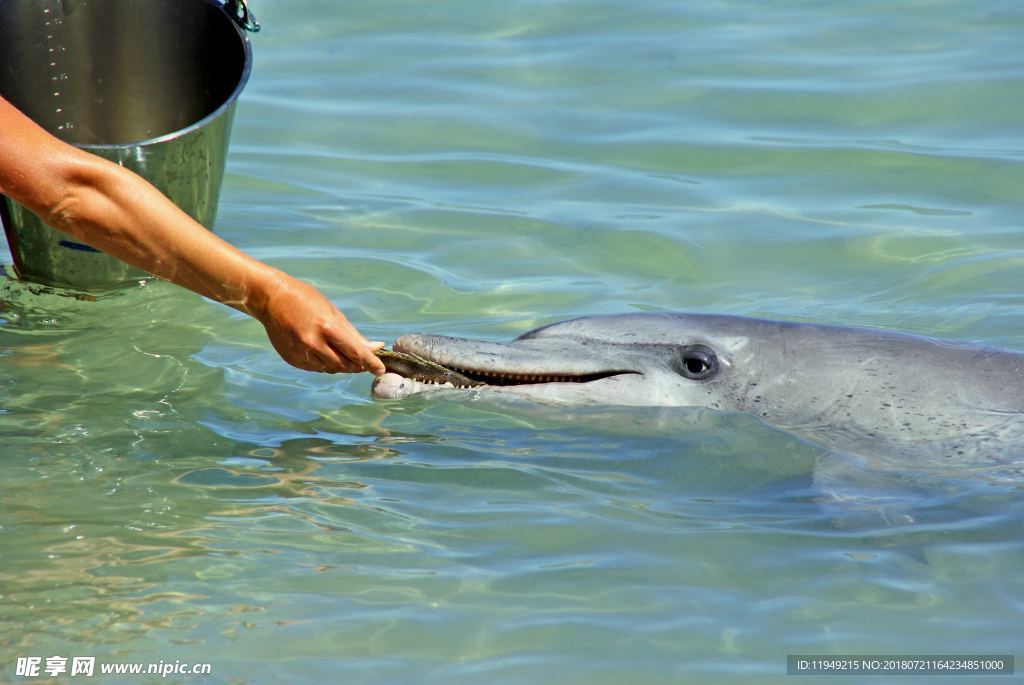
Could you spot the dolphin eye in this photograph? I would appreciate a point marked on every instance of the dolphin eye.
(697, 362)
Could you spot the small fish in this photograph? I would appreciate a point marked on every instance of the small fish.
(417, 368)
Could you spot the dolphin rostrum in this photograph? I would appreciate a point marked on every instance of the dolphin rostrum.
(853, 389)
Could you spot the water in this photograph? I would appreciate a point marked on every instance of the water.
(173, 492)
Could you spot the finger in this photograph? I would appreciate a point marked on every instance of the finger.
(372, 362)
(360, 359)
(357, 350)
(328, 361)
(314, 364)
(331, 361)
(349, 358)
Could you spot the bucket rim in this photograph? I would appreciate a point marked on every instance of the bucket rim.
(200, 123)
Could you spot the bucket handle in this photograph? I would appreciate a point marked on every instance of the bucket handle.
(242, 16)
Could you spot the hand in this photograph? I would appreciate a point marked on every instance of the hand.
(310, 333)
(116, 211)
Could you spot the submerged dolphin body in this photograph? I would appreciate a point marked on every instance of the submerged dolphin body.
(917, 401)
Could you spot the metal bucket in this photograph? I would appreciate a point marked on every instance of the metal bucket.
(148, 84)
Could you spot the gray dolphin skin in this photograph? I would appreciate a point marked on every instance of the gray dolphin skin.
(854, 389)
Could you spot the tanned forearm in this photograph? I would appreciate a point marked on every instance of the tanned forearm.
(118, 212)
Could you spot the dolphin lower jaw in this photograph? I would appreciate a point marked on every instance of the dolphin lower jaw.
(620, 389)
(506, 380)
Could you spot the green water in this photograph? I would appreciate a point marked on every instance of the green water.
(172, 491)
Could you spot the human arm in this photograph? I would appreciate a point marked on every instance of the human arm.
(116, 211)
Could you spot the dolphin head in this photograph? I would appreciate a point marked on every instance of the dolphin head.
(864, 391)
(632, 359)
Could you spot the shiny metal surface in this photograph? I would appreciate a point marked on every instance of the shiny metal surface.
(149, 84)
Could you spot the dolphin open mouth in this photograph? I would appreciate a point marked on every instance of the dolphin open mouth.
(460, 363)
(508, 378)
(497, 377)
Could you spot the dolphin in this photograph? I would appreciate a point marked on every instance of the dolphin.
(906, 400)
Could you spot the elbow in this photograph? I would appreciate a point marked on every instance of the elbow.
(64, 209)
(75, 199)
